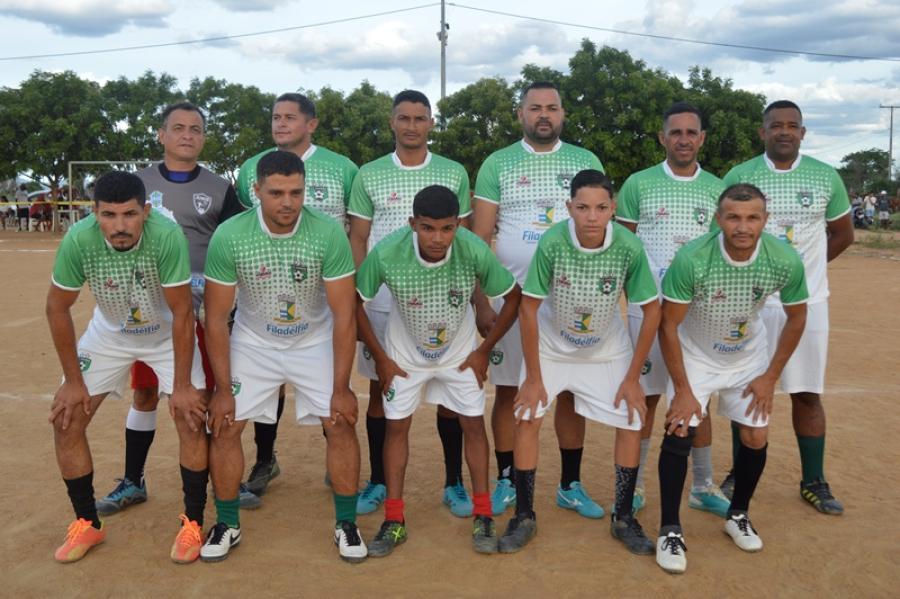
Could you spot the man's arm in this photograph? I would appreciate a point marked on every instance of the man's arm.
(840, 235)
(341, 297)
(73, 390)
(484, 219)
(218, 300)
(479, 359)
(684, 405)
(184, 398)
(359, 238)
(532, 392)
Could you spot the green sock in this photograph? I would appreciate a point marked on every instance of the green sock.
(227, 511)
(812, 457)
(345, 507)
(735, 442)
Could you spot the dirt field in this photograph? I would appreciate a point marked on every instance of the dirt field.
(287, 548)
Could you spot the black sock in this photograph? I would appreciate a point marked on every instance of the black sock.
(450, 432)
(137, 446)
(505, 465)
(626, 478)
(571, 466)
(193, 483)
(81, 494)
(525, 492)
(376, 429)
(672, 474)
(264, 436)
(748, 468)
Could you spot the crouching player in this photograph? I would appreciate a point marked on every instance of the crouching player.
(295, 323)
(713, 341)
(574, 340)
(430, 269)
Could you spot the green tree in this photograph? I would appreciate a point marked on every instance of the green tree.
(134, 113)
(865, 171)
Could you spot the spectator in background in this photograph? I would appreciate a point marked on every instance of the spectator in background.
(21, 198)
(5, 212)
(869, 205)
(884, 209)
(41, 213)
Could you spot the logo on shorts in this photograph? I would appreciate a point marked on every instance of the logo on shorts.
(263, 273)
(718, 296)
(582, 322)
(235, 385)
(134, 314)
(156, 199)
(84, 361)
(366, 353)
(757, 293)
(545, 209)
(414, 303)
(111, 285)
(202, 202)
(805, 197)
(299, 271)
(564, 180)
(319, 192)
(394, 198)
(523, 181)
(648, 365)
(391, 393)
(607, 285)
(287, 308)
(701, 215)
(738, 328)
(496, 356)
(437, 334)
(455, 297)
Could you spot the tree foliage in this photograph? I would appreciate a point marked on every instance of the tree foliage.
(865, 171)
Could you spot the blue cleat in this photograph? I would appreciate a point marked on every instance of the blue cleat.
(458, 500)
(127, 493)
(370, 498)
(576, 499)
(504, 495)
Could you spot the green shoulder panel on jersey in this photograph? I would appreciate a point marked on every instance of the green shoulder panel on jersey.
(247, 177)
(360, 201)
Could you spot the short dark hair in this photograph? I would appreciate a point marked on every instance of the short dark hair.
(538, 85)
(307, 107)
(189, 106)
(119, 187)
(279, 162)
(23, 187)
(437, 202)
(741, 192)
(411, 95)
(590, 178)
(681, 108)
(778, 104)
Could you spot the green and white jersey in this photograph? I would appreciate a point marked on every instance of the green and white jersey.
(669, 212)
(127, 286)
(280, 277)
(431, 324)
(531, 190)
(579, 319)
(383, 193)
(800, 202)
(722, 331)
(329, 178)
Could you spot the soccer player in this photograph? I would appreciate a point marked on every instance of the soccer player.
(522, 190)
(809, 209)
(381, 202)
(136, 264)
(430, 269)
(668, 205)
(199, 201)
(714, 341)
(573, 339)
(329, 177)
(295, 323)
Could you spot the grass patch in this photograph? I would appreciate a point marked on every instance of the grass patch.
(878, 240)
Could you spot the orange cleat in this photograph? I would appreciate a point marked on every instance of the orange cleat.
(79, 539)
(187, 545)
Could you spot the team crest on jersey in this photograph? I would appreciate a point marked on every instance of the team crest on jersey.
(263, 273)
(564, 180)
(787, 230)
(134, 314)
(437, 334)
(299, 271)
(805, 197)
(648, 366)
(662, 213)
(523, 181)
(202, 202)
(582, 322)
(235, 385)
(287, 308)
(563, 281)
(139, 277)
(496, 356)
(156, 199)
(391, 393)
(394, 198)
(607, 285)
(757, 292)
(545, 209)
(111, 285)
(738, 328)
(414, 303)
(701, 215)
(366, 353)
(84, 361)
(719, 296)
(319, 192)
(455, 297)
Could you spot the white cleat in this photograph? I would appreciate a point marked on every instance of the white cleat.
(670, 553)
(745, 537)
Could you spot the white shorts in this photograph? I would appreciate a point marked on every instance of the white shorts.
(506, 357)
(455, 390)
(655, 375)
(105, 365)
(594, 386)
(805, 371)
(257, 373)
(730, 387)
(884, 215)
(364, 362)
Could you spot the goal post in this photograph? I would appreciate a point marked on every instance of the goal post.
(80, 172)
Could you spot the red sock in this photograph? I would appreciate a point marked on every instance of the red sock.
(483, 506)
(393, 509)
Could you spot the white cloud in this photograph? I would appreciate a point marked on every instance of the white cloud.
(88, 18)
(251, 5)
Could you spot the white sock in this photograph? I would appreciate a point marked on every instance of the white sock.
(645, 448)
(141, 421)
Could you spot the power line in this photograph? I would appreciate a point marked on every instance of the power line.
(221, 38)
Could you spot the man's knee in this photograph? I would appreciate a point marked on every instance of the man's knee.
(753, 437)
(146, 399)
(806, 400)
(680, 446)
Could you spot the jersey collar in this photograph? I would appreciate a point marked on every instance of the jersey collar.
(265, 228)
(531, 150)
(668, 170)
(309, 152)
(607, 239)
(772, 168)
(401, 166)
(737, 263)
(422, 261)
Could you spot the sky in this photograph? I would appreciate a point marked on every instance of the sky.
(286, 45)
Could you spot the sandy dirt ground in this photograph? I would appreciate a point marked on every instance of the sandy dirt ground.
(287, 548)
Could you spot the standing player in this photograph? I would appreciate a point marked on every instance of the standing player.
(199, 201)
(295, 323)
(430, 269)
(573, 340)
(714, 341)
(22, 208)
(329, 177)
(136, 265)
(668, 205)
(522, 190)
(381, 202)
(809, 209)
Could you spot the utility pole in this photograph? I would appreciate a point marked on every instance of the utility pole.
(442, 37)
(890, 143)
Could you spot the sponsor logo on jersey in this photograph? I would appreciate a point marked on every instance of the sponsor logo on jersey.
(287, 308)
(718, 296)
(394, 198)
(662, 213)
(757, 292)
(496, 356)
(437, 335)
(607, 284)
(110, 284)
(202, 202)
(391, 393)
(738, 328)
(564, 180)
(523, 181)
(134, 314)
(648, 365)
(318, 192)
(299, 271)
(366, 353)
(414, 303)
(701, 215)
(235, 385)
(679, 241)
(455, 297)
(156, 199)
(84, 361)
(563, 281)
(545, 210)
(582, 322)
(805, 197)
(263, 273)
